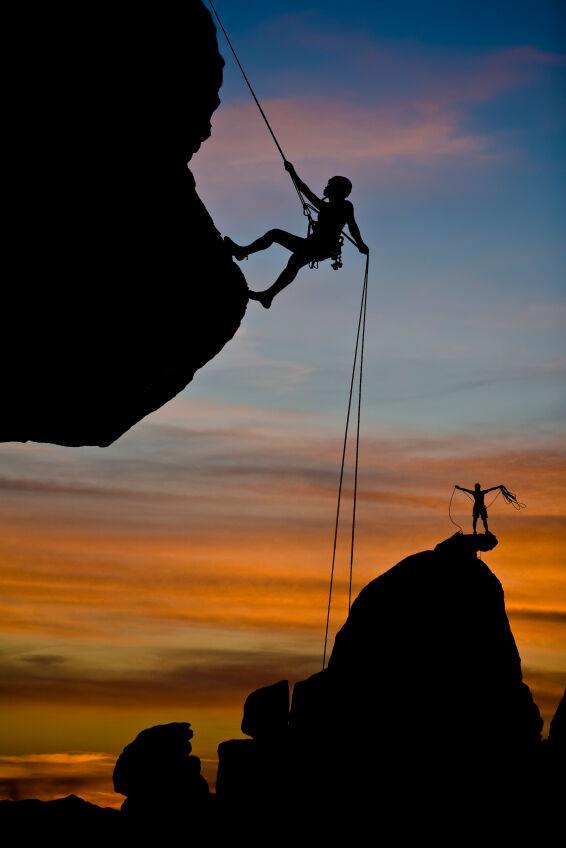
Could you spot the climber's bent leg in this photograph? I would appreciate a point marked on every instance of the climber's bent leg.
(294, 265)
(285, 239)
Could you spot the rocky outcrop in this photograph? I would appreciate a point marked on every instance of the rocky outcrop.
(555, 787)
(557, 732)
(119, 284)
(266, 712)
(161, 779)
(425, 682)
(257, 768)
(420, 722)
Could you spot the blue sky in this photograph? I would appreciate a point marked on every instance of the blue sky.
(454, 138)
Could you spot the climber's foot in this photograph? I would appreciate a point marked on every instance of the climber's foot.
(237, 252)
(263, 297)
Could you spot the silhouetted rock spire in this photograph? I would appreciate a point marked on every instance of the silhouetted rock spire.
(425, 681)
(161, 779)
(256, 770)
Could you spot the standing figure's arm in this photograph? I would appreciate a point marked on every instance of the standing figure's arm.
(493, 488)
(469, 491)
(316, 201)
(355, 231)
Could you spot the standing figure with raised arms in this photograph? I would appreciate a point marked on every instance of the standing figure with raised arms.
(480, 510)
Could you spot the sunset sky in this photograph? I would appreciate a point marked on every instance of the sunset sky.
(167, 576)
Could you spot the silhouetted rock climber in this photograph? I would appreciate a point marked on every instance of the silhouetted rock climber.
(323, 243)
(480, 510)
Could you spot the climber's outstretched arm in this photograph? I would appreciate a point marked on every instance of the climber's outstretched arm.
(356, 235)
(493, 488)
(462, 489)
(316, 201)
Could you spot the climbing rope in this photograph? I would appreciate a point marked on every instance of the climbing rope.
(455, 523)
(307, 208)
(511, 499)
(360, 339)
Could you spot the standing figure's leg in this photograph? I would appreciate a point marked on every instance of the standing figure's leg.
(475, 521)
(484, 519)
(294, 265)
(285, 239)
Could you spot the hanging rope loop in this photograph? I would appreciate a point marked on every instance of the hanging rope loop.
(455, 523)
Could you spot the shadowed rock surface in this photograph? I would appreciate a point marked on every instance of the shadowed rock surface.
(557, 732)
(556, 766)
(257, 768)
(120, 286)
(161, 778)
(426, 677)
(68, 821)
(266, 712)
(421, 721)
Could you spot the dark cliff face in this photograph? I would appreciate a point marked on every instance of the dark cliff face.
(120, 286)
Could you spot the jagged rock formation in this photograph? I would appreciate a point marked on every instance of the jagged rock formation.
(161, 779)
(421, 720)
(258, 767)
(425, 680)
(120, 287)
(556, 767)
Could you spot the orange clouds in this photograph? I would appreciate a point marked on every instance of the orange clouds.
(47, 776)
(166, 584)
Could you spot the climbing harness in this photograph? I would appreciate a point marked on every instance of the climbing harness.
(336, 256)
